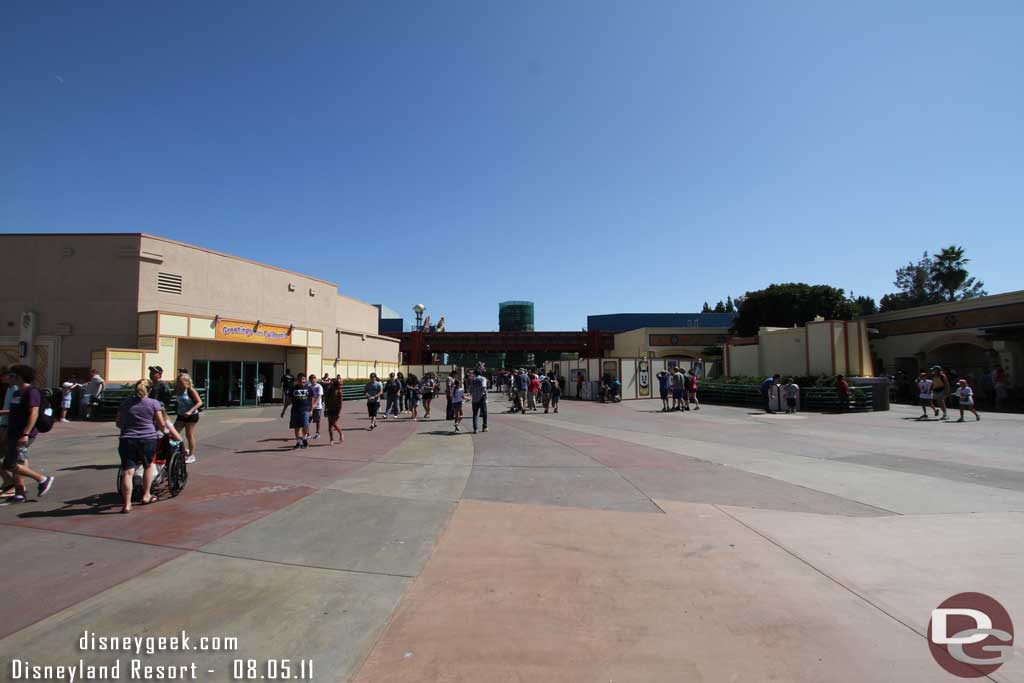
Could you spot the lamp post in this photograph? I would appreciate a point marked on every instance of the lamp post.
(416, 355)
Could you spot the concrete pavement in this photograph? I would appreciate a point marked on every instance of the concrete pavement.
(608, 542)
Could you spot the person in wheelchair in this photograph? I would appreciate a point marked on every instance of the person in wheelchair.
(141, 421)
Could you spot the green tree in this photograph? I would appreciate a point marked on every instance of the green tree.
(730, 307)
(706, 309)
(789, 304)
(863, 305)
(720, 307)
(932, 280)
(949, 274)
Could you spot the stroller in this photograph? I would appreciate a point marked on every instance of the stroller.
(171, 472)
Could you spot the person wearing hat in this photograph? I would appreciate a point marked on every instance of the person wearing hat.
(67, 391)
(160, 391)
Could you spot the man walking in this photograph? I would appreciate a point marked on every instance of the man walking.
(391, 392)
(22, 432)
(664, 380)
(373, 391)
(478, 395)
(316, 398)
(298, 398)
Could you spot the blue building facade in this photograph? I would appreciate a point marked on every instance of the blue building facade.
(624, 322)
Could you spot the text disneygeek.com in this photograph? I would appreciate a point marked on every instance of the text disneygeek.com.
(131, 661)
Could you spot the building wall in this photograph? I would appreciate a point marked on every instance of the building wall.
(824, 347)
(218, 284)
(743, 360)
(84, 289)
(986, 330)
(783, 351)
(658, 342)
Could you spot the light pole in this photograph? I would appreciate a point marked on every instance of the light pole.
(418, 310)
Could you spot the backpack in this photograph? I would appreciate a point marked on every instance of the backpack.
(44, 422)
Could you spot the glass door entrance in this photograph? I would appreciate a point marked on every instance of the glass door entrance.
(235, 383)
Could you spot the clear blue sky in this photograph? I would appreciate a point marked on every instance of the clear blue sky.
(593, 157)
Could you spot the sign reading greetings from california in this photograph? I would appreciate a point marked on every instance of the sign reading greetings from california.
(238, 331)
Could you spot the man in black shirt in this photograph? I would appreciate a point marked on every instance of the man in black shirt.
(160, 391)
(286, 385)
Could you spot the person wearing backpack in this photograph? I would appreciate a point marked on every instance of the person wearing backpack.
(27, 419)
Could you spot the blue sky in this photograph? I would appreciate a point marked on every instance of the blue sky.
(593, 157)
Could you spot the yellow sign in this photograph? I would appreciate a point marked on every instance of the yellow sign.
(238, 331)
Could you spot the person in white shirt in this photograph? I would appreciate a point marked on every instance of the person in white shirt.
(966, 397)
(924, 392)
(791, 390)
(458, 395)
(92, 394)
(316, 397)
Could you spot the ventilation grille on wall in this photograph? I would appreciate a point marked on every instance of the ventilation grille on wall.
(168, 282)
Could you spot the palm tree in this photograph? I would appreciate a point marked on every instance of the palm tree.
(949, 274)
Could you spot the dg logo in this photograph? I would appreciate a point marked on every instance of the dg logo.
(970, 635)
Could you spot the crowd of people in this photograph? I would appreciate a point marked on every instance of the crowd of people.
(681, 385)
(528, 390)
(142, 416)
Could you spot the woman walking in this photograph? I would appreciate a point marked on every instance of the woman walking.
(428, 390)
(412, 388)
(141, 421)
(188, 403)
(332, 409)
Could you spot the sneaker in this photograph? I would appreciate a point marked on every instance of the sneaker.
(317, 435)
(485, 429)
(190, 460)
(960, 420)
(474, 431)
(298, 444)
(457, 428)
(14, 499)
(305, 443)
(45, 485)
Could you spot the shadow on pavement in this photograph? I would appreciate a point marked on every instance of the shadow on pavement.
(96, 504)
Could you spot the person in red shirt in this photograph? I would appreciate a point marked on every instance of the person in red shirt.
(534, 390)
(843, 389)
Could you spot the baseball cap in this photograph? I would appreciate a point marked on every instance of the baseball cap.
(156, 368)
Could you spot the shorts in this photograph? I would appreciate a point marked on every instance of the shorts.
(65, 402)
(428, 395)
(136, 453)
(332, 415)
(316, 415)
(16, 455)
(188, 419)
(414, 400)
(457, 406)
(299, 419)
(677, 394)
(938, 395)
(664, 394)
(372, 407)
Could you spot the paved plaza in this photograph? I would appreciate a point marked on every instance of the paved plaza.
(604, 543)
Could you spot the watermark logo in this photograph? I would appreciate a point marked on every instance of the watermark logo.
(970, 635)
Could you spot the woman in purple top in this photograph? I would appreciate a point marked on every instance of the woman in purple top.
(141, 420)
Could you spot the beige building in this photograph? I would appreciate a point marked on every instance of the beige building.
(972, 336)
(681, 343)
(123, 302)
(822, 347)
